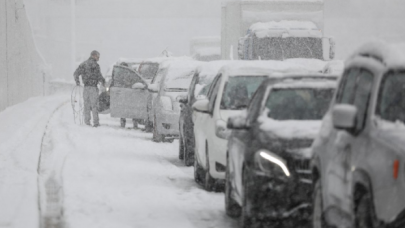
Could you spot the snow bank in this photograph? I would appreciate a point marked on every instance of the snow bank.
(22, 128)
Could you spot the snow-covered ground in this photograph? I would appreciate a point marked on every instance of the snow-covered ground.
(109, 176)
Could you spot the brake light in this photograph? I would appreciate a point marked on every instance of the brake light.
(396, 169)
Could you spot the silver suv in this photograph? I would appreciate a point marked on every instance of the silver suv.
(359, 155)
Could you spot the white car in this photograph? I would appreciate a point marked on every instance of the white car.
(166, 109)
(229, 95)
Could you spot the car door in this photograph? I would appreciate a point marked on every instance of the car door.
(355, 90)
(127, 102)
(200, 122)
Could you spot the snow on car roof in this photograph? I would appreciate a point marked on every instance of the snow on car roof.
(268, 67)
(315, 65)
(162, 59)
(306, 83)
(180, 73)
(285, 28)
(390, 55)
(334, 67)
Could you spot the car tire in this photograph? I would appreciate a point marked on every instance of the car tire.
(209, 182)
(198, 172)
(232, 208)
(364, 211)
(318, 221)
(181, 148)
(123, 121)
(188, 155)
(156, 136)
(148, 126)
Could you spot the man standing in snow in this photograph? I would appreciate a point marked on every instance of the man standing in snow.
(91, 76)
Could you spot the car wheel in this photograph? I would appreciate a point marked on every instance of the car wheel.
(232, 208)
(209, 182)
(364, 211)
(123, 122)
(156, 136)
(198, 171)
(181, 148)
(318, 221)
(148, 126)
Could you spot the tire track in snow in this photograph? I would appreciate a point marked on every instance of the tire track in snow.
(50, 181)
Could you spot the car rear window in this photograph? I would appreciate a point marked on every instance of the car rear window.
(239, 90)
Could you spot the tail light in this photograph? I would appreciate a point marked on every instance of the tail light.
(396, 169)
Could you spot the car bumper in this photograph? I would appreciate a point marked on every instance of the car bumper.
(280, 197)
(167, 123)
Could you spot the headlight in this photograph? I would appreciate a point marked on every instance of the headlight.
(269, 162)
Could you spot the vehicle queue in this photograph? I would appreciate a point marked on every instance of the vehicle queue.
(286, 144)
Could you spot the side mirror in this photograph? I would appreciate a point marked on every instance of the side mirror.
(182, 99)
(138, 85)
(237, 122)
(201, 105)
(344, 116)
(221, 131)
(200, 97)
(154, 88)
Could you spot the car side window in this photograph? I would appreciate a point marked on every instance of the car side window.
(124, 77)
(362, 97)
(347, 86)
(214, 93)
(255, 104)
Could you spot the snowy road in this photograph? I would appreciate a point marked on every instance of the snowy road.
(115, 177)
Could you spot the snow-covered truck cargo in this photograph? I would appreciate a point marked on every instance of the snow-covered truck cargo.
(253, 26)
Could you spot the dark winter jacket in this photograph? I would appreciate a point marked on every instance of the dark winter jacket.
(90, 72)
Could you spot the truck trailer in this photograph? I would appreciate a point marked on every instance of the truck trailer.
(274, 30)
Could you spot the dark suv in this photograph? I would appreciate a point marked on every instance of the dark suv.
(358, 163)
(268, 175)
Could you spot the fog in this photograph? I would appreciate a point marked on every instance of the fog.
(119, 28)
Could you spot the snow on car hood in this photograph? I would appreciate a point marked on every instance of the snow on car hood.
(290, 129)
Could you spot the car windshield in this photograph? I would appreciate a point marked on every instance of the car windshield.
(391, 102)
(178, 79)
(298, 103)
(238, 91)
(148, 70)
